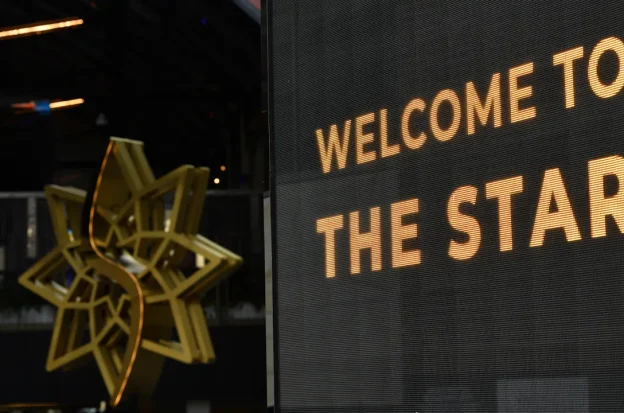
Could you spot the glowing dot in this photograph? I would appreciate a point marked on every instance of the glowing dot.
(217, 180)
(223, 168)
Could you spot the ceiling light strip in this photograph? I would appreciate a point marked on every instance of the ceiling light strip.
(37, 28)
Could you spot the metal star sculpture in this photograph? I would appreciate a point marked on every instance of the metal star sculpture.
(128, 303)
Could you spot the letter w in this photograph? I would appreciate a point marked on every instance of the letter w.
(333, 145)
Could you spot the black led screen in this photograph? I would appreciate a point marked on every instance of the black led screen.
(449, 205)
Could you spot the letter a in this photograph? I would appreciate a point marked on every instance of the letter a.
(553, 188)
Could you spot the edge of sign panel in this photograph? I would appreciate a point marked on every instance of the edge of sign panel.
(267, 17)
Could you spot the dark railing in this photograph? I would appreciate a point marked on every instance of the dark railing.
(233, 219)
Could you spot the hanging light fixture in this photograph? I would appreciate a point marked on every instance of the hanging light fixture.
(65, 103)
(45, 106)
(38, 28)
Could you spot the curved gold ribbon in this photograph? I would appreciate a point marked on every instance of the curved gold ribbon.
(128, 281)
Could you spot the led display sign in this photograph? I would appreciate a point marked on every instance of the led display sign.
(449, 205)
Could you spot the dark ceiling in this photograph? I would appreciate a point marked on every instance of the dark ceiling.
(184, 76)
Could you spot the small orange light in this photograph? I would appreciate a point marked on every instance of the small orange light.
(223, 168)
(217, 180)
(26, 105)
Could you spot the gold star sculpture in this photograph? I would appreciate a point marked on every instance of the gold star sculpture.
(129, 305)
